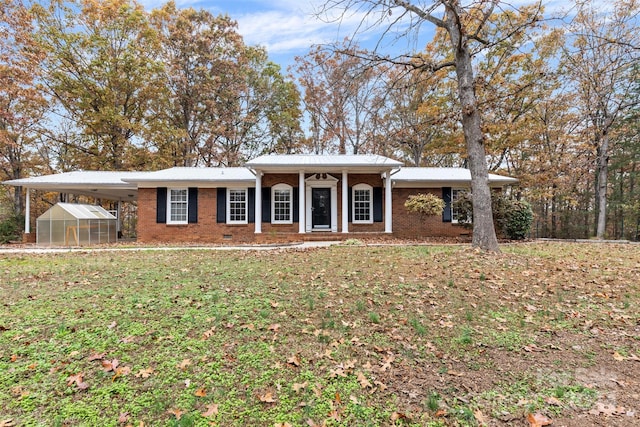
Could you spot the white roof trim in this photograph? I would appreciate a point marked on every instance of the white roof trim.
(184, 175)
(310, 161)
(443, 177)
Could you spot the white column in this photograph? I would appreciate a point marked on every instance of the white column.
(27, 212)
(388, 217)
(345, 201)
(302, 204)
(258, 202)
(119, 218)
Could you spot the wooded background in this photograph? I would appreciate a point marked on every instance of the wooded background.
(108, 85)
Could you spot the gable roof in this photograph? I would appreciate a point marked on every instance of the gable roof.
(442, 177)
(322, 163)
(77, 211)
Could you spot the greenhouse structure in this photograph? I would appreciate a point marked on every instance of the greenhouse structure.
(70, 224)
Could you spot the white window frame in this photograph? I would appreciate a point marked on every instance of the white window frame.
(274, 189)
(246, 206)
(361, 187)
(171, 203)
(455, 192)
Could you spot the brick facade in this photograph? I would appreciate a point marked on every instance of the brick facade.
(208, 230)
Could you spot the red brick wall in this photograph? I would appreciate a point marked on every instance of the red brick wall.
(411, 225)
(207, 230)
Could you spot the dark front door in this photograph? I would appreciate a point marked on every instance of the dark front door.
(321, 208)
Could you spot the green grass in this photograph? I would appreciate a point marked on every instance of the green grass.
(345, 336)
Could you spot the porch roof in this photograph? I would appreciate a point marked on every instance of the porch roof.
(192, 175)
(323, 163)
(101, 184)
(443, 177)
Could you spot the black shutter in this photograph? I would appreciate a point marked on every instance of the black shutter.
(446, 196)
(193, 205)
(266, 205)
(251, 204)
(296, 204)
(221, 201)
(350, 197)
(161, 205)
(377, 204)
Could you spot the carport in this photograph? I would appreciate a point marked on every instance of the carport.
(107, 185)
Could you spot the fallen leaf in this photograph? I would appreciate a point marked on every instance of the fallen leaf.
(553, 401)
(538, 420)
(212, 409)
(617, 356)
(532, 347)
(144, 373)
(201, 392)
(176, 413)
(77, 379)
(608, 410)
(7, 423)
(113, 325)
(299, 386)
(110, 365)
(294, 360)
(440, 413)
(274, 327)
(285, 424)
(398, 416)
(454, 373)
(183, 365)
(121, 372)
(123, 418)
(480, 418)
(96, 356)
(209, 333)
(364, 382)
(267, 397)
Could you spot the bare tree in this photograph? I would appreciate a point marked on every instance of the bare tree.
(602, 66)
(469, 30)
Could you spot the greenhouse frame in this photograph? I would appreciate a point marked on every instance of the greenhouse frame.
(71, 224)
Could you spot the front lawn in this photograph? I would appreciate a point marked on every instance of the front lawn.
(341, 336)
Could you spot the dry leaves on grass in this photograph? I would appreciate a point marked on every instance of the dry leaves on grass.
(538, 420)
(77, 379)
(212, 409)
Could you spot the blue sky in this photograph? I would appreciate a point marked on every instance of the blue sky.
(286, 28)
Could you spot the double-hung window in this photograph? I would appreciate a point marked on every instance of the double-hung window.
(178, 206)
(362, 204)
(237, 206)
(281, 204)
(455, 195)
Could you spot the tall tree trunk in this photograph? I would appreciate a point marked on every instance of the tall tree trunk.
(603, 171)
(484, 234)
(17, 201)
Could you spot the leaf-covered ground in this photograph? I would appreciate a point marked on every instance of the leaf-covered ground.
(340, 336)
